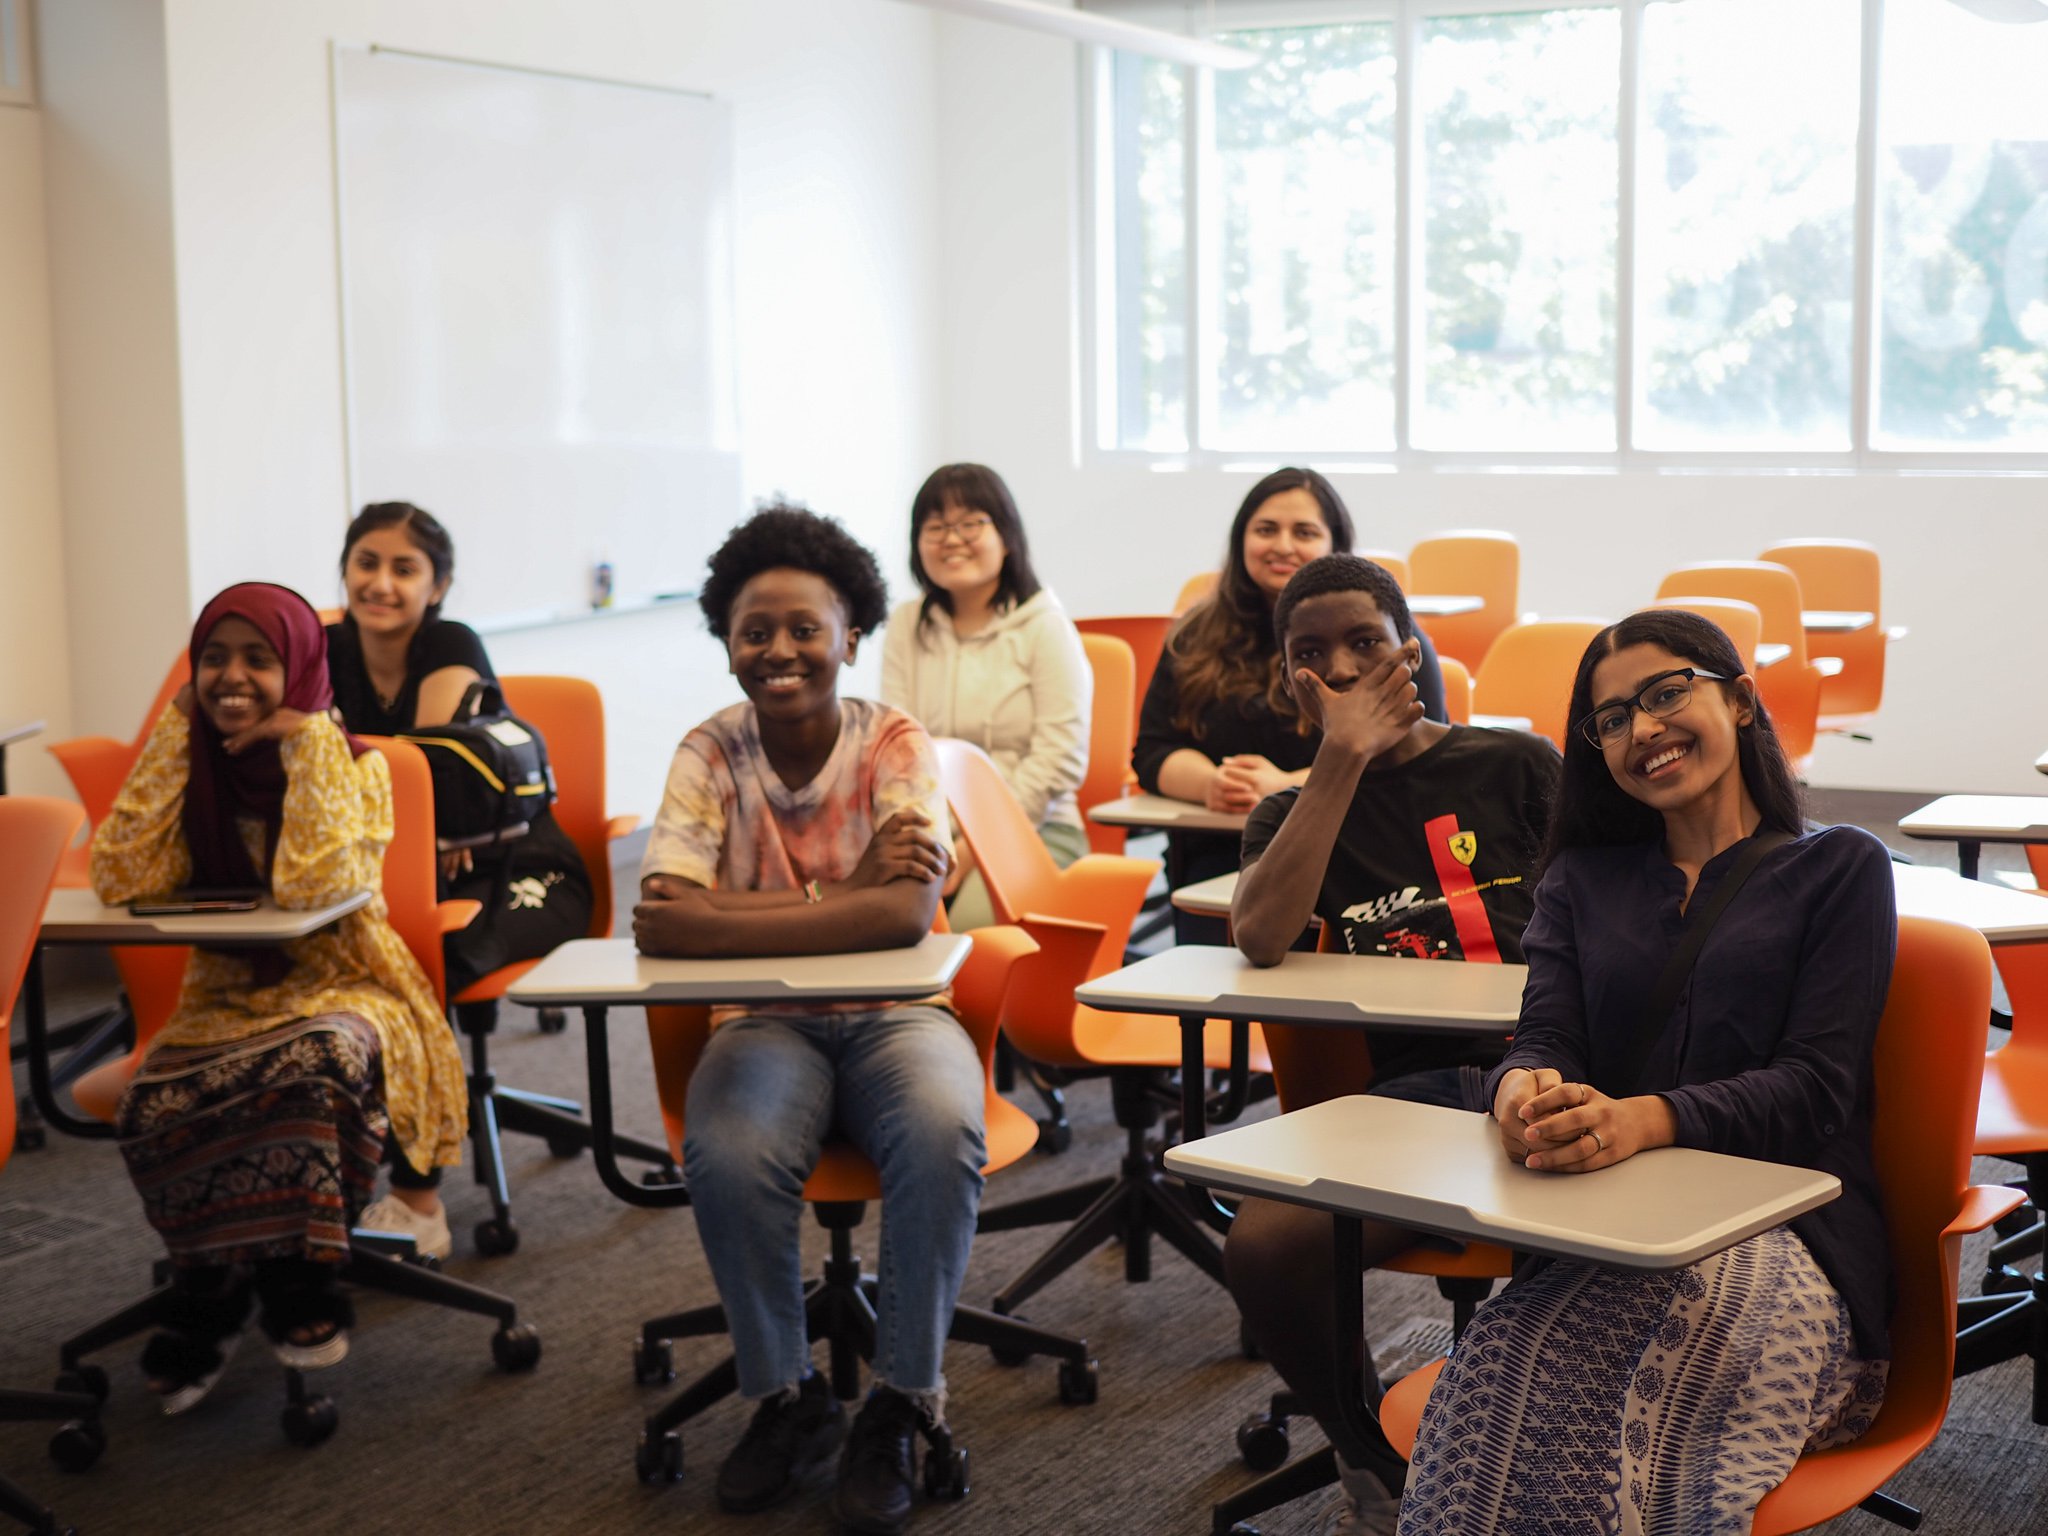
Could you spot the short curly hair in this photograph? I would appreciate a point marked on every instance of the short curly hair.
(794, 538)
(1342, 573)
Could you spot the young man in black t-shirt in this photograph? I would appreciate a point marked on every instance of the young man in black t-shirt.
(1410, 838)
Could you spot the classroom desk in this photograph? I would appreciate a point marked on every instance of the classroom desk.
(1442, 605)
(2041, 763)
(2001, 914)
(11, 732)
(1502, 722)
(1157, 813)
(74, 916)
(1970, 821)
(1770, 652)
(1835, 621)
(596, 975)
(1442, 1170)
(1211, 897)
(496, 837)
(1198, 982)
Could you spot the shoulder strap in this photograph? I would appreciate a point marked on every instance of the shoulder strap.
(1671, 980)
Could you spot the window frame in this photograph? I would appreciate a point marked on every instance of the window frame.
(17, 53)
(1100, 302)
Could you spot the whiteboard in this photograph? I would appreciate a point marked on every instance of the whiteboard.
(536, 294)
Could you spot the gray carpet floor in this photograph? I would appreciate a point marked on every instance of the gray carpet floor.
(432, 1438)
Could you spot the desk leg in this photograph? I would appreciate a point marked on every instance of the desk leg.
(40, 1088)
(1359, 1439)
(604, 1149)
(1967, 851)
(1194, 1107)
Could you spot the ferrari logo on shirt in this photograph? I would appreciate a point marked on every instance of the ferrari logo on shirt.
(1464, 847)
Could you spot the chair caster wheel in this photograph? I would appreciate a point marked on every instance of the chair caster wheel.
(516, 1348)
(77, 1445)
(1079, 1382)
(1262, 1442)
(1009, 1354)
(659, 1461)
(1244, 1528)
(495, 1238)
(662, 1177)
(1246, 1344)
(1054, 1136)
(89, 1379)
(945, 1473)
(654, 1365)
(553, 1021)
(565, 1147)
(2005, 1281)
(30, 1138)
(310, 1421)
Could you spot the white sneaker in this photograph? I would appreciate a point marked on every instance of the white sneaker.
(429, 1234)
(1363, 1507)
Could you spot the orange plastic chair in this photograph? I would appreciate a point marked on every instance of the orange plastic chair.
(1457, 691)
(89, 760)
(1741, 622)
(1791, 688)
(1394, 565)
(1192, 591)
(33, 835)
(1482, 565)
(1110, 729)
(1842, 574)
(1529, 672)
(1929, 1055)
(840, 1308)
(569, 714)
(1081, 918)
(1145, 634)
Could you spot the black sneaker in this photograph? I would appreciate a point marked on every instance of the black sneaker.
(874, 1496)
(789, 1435)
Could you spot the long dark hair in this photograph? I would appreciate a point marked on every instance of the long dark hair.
(973, 488)
(1592, 811)
(1224, 647)
(422, 529)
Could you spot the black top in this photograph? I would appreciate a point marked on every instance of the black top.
(1436, 860)
(443, 643)
(1768, 1051)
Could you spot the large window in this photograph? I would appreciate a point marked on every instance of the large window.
(1602, 231)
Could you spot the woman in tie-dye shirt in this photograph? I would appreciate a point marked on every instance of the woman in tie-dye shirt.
(802, 823)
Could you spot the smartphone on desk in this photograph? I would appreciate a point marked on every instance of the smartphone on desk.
(196, 899)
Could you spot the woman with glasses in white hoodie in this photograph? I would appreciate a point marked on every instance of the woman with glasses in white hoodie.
(988, 655)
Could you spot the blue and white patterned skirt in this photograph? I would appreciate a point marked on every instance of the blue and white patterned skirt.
(1598, 1400)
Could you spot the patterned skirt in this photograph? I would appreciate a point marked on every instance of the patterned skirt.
(1600, 1400)
(263, 1148)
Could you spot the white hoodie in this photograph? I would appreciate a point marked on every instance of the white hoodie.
(1020, 690)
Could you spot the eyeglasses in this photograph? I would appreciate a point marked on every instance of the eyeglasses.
(968, 530)
(1660, 698)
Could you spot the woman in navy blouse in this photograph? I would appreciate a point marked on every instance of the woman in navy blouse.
(1591, 1399)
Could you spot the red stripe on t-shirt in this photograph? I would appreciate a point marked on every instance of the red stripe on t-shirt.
(1468, 908)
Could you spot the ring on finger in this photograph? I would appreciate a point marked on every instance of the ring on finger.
(1598, 1140)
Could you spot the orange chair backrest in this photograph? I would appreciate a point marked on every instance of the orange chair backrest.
(1145, 634)
(1740, 622)
(1192, 591)
(1457, 690)
(1483, 565)
(1310, 1064)
(1842, 574)
(1791, 689)
(569, 714)
(1016, 865)
(34, 832)
(1110, 732)
(411, 862)
(1529, 672)
(1394, 565)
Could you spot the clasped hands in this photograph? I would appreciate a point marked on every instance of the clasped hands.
(1559, 1127)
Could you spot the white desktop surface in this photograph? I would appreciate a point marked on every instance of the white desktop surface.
(1442, 605)
(1981, 818)
(1443, 1170)
(12, 731)
(1770, 652)
(2041, 763)
(1208, 898)
(74, 916)
(1835, 621)
(1161, 813)
(590, 972)
(1217, 982)
(2001, 914)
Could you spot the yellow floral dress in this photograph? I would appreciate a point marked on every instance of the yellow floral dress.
(254, 1127)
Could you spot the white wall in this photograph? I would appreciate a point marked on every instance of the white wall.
(35, 678)
(836, 181)
(1966, 697)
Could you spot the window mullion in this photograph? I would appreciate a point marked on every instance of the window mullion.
(1407, 191)
(1625, 229)
(1863, 346)
(1203, 249)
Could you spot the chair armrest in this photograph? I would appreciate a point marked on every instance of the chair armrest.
(619, 826)
(1982, 1205)
(1097, 876)
(458, 914)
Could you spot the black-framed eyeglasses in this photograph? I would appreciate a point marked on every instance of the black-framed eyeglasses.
(1660, 698)
(968, 530)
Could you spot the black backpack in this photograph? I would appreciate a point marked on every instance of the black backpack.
(490, 768)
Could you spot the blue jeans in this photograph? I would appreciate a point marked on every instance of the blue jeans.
(903, 1085)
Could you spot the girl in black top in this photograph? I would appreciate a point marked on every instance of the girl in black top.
(397, 665)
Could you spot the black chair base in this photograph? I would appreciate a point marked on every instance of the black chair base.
(2010, 1319)
(839, 1308)
(307, 1418)
(495, 1109)
(82, 1409)
(1139, 1201)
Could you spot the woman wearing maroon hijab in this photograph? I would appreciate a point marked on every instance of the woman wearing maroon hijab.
(255, 1124)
